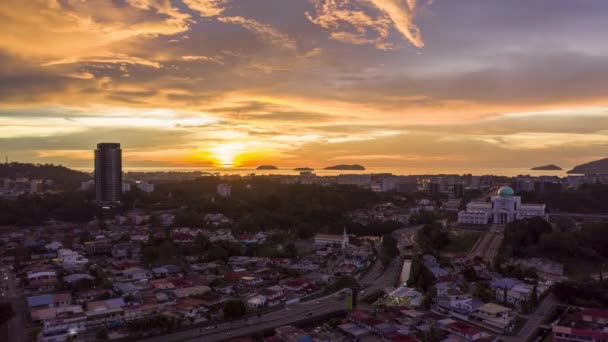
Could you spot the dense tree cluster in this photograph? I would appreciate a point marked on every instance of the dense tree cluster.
(536, 237)
(420, 276)
(589, 198)
(389, 250)
(260, 204)
(234, 309)
(62, 177)
(431, 238)
(586, 294)
(33, 210)
(161, 252)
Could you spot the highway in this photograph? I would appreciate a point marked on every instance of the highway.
(489, 245)
(534, 321)
(294, 314)
(379, 277)
(13, 330)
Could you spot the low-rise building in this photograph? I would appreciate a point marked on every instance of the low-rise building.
(494, 315)
(584, 324)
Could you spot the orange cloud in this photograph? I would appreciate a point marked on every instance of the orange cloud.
(265, 32)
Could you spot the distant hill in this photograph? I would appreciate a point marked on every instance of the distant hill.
(598, 166)
(354, 167)
(550, 167)
(64, 178)
(303, 169)
(267, 167)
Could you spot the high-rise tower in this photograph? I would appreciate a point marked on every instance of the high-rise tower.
(108, 173)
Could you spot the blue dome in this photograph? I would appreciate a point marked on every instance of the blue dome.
(506, 191)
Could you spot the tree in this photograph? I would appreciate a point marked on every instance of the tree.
(291, 251)
(420, 276)
(6, 312)
(469, 273)
(432, 238)
(155, 221)
(234, 309)
(85, 236)
(534, 295)
(484, 292)
(102, 335)
(218, 252)
(342, 282)
(433, 335)
(389, 249)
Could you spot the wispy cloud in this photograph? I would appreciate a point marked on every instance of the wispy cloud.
(265, 32)
(110, 58)
(207, 8)
(213, 59)
(355, 22)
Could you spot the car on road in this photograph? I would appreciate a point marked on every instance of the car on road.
(309, 313)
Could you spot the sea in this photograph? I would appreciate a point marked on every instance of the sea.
(398, 170)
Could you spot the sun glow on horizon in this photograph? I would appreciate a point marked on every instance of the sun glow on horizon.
(226, 155)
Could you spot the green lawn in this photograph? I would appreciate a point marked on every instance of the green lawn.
(462, 242)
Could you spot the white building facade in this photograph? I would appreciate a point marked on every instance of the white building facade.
(224, 190)
(504, 208)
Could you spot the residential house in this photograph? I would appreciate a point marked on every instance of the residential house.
(460, 329)
(494, 315)
(256, 301)
(167, 271)
(191, 291)
(190, 307)
(49, 300)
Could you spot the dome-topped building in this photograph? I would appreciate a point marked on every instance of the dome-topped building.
(505, 192)
(503, 208)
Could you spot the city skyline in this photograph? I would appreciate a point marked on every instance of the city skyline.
(228, 83)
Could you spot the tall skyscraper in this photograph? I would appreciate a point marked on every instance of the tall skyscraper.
(108, 173)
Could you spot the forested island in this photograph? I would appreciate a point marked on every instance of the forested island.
(597, 166)
(353, 167)
(267, 167)
(550, 167)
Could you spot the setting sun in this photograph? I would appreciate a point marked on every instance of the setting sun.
(226, 155)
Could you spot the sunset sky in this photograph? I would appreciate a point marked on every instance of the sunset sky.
(187, 83)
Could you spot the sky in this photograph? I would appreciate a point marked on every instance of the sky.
(237, 83)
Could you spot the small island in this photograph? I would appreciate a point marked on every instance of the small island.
(598, 166)
(267, 167)
(303, 169)
(354, 167)
(550, 167)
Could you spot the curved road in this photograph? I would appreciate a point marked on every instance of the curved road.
(293, 314)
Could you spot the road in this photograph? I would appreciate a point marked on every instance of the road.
(489, 245)
(13, 330)
(379, 277)
(406, 237)
(294, 314)
(534, 321)
(579, 215)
